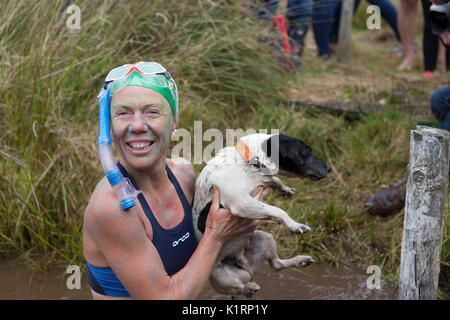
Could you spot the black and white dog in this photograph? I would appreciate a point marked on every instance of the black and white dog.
(237, 171)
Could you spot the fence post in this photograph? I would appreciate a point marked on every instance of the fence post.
(426, 192)
(345, 30)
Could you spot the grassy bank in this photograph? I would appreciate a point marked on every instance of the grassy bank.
(50, 76)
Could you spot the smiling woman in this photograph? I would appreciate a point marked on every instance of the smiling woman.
(142, 123)
(149, 251)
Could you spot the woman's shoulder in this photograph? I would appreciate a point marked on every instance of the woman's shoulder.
(103, 200)
(102, 191)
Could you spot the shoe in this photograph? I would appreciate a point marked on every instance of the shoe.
(325, 57)
(386, 202)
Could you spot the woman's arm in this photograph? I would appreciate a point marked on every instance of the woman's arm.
(134, 259)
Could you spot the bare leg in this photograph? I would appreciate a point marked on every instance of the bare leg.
(441, 58)
(407, 21)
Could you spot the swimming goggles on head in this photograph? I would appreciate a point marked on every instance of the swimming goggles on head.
(144, 68)
(145, 74)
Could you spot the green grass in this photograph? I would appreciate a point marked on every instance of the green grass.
(49, 79)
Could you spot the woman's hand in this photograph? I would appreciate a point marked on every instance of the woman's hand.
(223, 224)
(260, 192)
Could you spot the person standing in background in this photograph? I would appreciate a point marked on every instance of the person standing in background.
(325, 24)
(431, 44)
(298, 16)
(407, 23)
(326, 16)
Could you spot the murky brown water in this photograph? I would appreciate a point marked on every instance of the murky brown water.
(317, 281)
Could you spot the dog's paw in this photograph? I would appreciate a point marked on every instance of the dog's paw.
(305, 261)
(287, 191)
(251, 288)
(302, 229)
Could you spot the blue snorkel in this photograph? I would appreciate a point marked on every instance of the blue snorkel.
(123, 190)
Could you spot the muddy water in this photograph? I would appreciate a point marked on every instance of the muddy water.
(318, 281)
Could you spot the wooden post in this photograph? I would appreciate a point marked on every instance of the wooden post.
(345, 30)
(426, 192)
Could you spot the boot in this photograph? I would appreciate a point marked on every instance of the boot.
(386, 202)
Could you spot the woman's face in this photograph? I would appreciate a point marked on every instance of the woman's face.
(141, 125)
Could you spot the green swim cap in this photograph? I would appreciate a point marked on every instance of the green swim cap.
(161, 82)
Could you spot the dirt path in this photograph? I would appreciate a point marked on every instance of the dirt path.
(370, 81)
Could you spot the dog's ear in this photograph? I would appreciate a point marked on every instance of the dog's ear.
(267, 147)
(201, 222)
(290, 150)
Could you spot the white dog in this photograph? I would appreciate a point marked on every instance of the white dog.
(237, 171)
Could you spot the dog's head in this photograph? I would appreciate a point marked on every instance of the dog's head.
(295, 157)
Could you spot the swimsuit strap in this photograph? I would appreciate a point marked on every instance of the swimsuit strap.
(181, 195)
(175, 246)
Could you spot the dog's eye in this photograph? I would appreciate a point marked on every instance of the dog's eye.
(256, 164)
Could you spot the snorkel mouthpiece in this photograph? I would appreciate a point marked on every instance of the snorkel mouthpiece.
(112, 172)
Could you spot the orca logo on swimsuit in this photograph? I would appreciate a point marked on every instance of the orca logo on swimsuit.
(175, 243)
